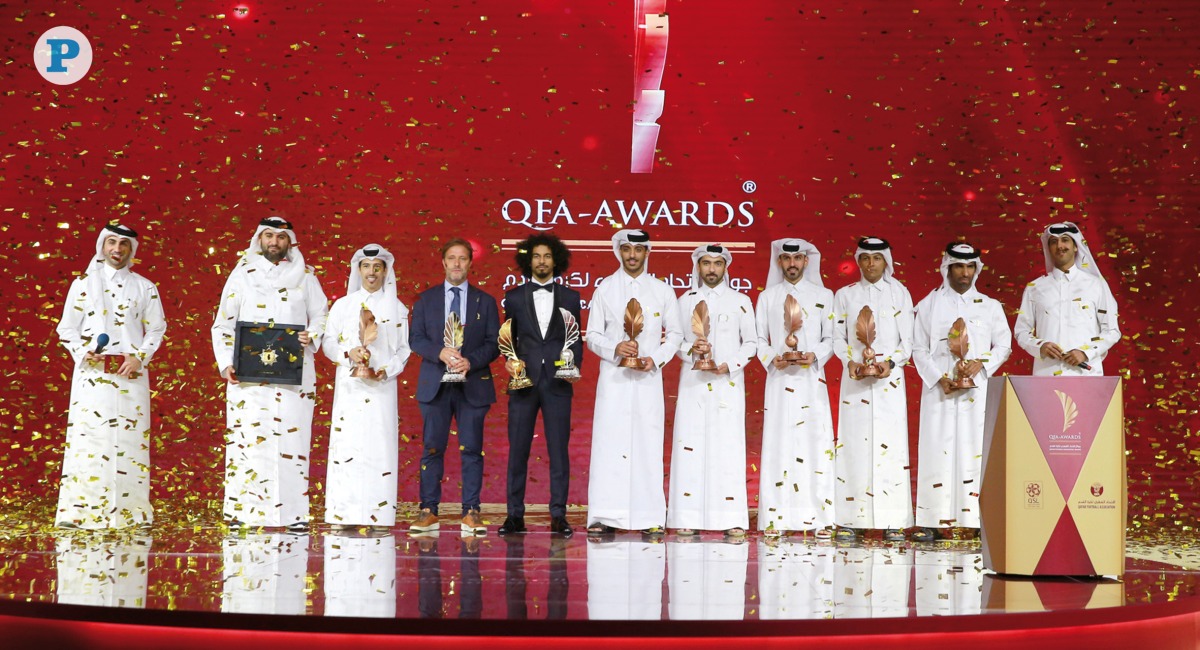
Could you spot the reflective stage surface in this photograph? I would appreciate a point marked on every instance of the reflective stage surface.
(626, 577)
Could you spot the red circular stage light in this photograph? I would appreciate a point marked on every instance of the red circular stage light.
(241, 11)
(847, 267)
(969, 195)
(590, 143)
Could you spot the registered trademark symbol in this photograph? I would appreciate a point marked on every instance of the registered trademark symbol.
(749, 186)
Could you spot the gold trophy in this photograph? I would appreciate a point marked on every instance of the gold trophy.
(368, 331)
(634, 320)
(452, 337)
(959, 341)
(514, 365)
(702, 328)
(864, 330)
(793, 320)
(566, 360)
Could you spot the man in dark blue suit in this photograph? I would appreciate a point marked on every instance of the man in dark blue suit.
(539, 334)
(468, 401)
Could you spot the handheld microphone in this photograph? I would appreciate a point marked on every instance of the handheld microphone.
(1085, 366)
(101, 341)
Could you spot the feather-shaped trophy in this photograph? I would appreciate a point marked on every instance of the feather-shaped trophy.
(702, 328)
(959, 344)
(566, 361)
(452, 337)
(634, 321)
(793, 320)
(514, 365)
(864, 331)
(368, 331)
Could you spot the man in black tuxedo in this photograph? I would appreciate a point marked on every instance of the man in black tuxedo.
(539, 333)
(467, 402)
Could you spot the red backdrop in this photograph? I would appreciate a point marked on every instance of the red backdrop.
(408, 123)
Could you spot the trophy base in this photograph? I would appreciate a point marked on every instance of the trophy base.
(705, 364)
(520, 382)
(364, 372)
(567, 372)
(793, 357)
(871, 371)
(453, 378)
(631, 362)
(963, 383)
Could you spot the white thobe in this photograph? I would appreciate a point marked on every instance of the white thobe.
(625, 580)
(707, 580)
(795, 580)
(948, 582)
(708, 449)
(103, 572)
(625, 481)
(873, 484)
(268, 426)
(950, 445)
(1077, 311)
(360, 576)
(106, 464)
(796, 477)
(264, 573)
(361, 484)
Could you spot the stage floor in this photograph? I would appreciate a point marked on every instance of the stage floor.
(626, 577)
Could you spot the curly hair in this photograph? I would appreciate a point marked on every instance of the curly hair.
(524, 256)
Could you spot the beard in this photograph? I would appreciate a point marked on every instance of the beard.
(275, 256)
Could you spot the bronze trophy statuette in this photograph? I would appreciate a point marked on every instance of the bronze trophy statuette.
(516, 367)
(702, 329)
(368, 331)
(634, 321)
(864, 330)
(452, 337)
(566, 360)
(959, 342)
(793, 320)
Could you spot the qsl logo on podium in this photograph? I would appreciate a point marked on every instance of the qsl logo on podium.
(62, 55)
(1033, 494)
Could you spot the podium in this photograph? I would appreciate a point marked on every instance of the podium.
(1053, 495)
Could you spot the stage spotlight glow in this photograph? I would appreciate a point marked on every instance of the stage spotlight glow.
(241, 11)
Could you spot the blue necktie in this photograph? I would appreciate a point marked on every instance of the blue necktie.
(456, 302)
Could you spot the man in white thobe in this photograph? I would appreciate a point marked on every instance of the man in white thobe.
(112, 324)
(625, 482)
(950, 446)
(1068, 317)
(360, 487)
(873, 486)
(269, 426)
(796, 477)
(708, 449)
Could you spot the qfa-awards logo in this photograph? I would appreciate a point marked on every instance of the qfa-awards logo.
(1068, 442)
(1033, 495)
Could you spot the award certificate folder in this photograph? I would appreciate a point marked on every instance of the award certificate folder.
(268, 353)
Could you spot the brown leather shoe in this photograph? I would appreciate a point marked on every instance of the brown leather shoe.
(426, 521)
(472, 523)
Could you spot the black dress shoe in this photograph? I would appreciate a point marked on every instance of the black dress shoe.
(559, 525)
(512, 526)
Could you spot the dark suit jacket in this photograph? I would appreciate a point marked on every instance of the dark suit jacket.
(540, 354)
(482, 323)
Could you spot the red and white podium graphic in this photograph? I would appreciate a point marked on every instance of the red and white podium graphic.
(1053, 497)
